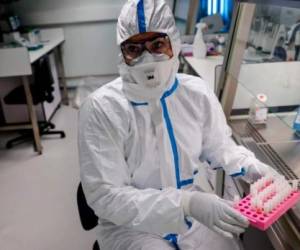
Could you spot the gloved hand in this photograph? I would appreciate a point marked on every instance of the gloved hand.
(214, 213)
(256, 170)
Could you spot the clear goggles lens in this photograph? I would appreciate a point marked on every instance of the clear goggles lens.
(157, 45)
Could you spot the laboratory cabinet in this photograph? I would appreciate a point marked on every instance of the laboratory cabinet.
(259, 89)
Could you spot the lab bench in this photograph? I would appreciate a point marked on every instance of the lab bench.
(207, 68)
(16, 66)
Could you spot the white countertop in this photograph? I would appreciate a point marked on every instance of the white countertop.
(205, 68)
(17, 61)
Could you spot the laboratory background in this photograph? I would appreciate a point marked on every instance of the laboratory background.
(55, 53)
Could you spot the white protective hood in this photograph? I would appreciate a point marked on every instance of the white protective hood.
(139, 16)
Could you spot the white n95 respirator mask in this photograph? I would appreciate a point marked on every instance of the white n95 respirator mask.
(151, 70)
(149, 77)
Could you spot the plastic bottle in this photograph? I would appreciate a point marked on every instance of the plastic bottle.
(199, 46)
(258, 112)
(221, 44)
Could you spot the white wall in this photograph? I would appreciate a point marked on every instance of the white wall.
(90, 31)
(68, 11)
(91, 49)
(89, 26)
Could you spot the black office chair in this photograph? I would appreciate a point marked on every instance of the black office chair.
(42, 91)
(87, 216)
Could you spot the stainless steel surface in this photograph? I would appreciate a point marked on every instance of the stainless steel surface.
(276, 142)
(276, 145)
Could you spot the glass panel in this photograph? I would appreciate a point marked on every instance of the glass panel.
(280, 82)
(274, 35)
(252, 109)
(262, 83)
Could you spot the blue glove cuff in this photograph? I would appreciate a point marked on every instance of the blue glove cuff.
(241, 173)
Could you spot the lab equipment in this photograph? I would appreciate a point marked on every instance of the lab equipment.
(221, 44)
(294, 37)
(268, 38)
(9, 22)
(297, 121)
(292, 34)
(279, 49)
(258, 112)
(199, 46)
(15, 37)
(270, 197)
(255, 26)
(258, 34)
(33, 36)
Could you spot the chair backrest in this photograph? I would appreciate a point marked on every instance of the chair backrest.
(43, 79)
(87, 216)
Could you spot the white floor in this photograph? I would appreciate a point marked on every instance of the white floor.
(38, 209)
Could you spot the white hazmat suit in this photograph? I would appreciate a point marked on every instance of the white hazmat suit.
(140, 148)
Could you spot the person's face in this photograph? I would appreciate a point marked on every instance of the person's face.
(153, 42)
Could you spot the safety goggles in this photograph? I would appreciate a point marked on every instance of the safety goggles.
(159, 44)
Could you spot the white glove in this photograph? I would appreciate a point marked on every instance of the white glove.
(256, 170)
(214, 213)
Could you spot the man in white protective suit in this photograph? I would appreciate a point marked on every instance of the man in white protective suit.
(141, 140)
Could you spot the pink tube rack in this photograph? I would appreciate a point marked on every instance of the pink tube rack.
(262, 220)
